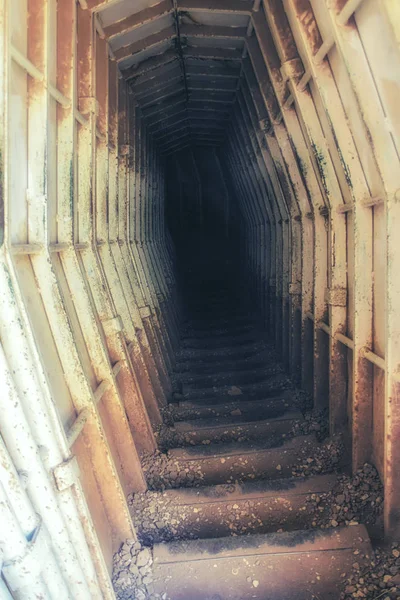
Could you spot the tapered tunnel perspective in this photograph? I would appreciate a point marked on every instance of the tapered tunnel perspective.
(199, 299)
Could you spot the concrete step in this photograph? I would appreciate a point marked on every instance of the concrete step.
(210, 323)
(262, 385)
(299, 565)
(230, 377)
(190, 333)
(194, 366)
(223, 341)
(224, 353)
(236, 406)
(242, 461)
(224, 510)
(226, 394)
(235, 427)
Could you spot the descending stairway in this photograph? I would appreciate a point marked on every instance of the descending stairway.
(242, 531)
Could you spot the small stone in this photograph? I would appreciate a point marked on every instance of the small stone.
(144, 557)
(256, 583)
(334, 523)
(134, 569)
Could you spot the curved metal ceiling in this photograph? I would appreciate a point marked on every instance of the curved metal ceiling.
(182, 59)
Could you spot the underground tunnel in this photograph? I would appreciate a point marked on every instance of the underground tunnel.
(199, 299)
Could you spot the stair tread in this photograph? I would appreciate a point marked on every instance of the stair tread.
(232, 393)
(235, 420)
(286, 542)
(298, 565)
(294, 445)
(249, 490)
(266, 408)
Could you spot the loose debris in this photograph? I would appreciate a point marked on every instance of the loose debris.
(315, 422)
(357, 499)
(378, 579)
(163, 473)
(132, 573)
(325, 459)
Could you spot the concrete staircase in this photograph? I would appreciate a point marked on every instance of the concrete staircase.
(243, 531)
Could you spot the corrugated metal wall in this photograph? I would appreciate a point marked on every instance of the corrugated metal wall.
(306, 148)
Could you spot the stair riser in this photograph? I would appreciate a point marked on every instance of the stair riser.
(232, 378)
(220, 520)
(222, 396)
(191, 333)
(192, 368)
(250, 410)
(246, 467)
(220, 342)
(209, 355)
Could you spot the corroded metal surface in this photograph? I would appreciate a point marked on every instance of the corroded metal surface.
(293, 108)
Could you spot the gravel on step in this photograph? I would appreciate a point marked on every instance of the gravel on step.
(132, 572)
(378, 579)
(162, 472)
(326, 459)
(353, 500)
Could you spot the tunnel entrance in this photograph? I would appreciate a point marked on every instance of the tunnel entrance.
(199, 299)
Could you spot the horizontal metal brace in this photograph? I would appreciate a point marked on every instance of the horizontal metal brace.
(81, 246)
(100, 136)
(80, 118)
(288, 102)
(117, 367)
(58, 96)
(34, 72)
(21, 571)
(21, 249)
(323, 51)
(26, 64)
(343, 339)
(60, 247)
(348, 10)
(336, 296)
(324, 327)
(101, 390)
(145, 312)
(66, 474)
(373, 201)
(373, 358)
(114, 325)
(345, 208)
(365, 203)
(301, 86)
(77, 426)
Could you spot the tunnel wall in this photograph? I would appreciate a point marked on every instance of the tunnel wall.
(308, 151)
(88, 318)
(88, 305)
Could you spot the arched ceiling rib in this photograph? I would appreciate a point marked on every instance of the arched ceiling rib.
(183, 60)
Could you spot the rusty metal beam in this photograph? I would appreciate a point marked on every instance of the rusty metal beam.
(148, 15)
(150, 64)
(169, 33)
(238, 7)
(138, 19)
(242, 7)
(151, 41)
